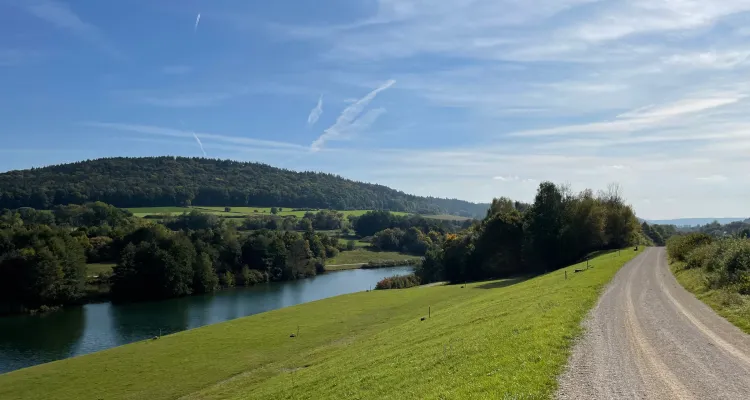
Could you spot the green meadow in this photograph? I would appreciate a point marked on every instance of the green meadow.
(498, 339)
(249, 211)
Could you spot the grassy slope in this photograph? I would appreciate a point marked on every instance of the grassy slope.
(488, 340)
(730, 305)
(362, 256)
(97, 269)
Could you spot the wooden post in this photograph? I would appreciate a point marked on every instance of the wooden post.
(429, 311)
(297, 330)
(566, 274)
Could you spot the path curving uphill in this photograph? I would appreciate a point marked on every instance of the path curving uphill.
(648, 338)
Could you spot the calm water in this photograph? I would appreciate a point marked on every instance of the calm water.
(31, 340)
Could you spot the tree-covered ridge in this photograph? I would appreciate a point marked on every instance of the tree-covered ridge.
(179, 181)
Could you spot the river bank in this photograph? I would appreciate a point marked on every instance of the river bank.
(27, 340)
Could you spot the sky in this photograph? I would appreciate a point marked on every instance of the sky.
(469, 99)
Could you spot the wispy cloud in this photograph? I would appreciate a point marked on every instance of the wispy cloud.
(316, 112)
(643, 117)
(197, 21)
(61, 16)
(161, 131)
(197, 139)
(713, 178)
(348, 120)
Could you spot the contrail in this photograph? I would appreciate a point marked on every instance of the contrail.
(315, 113)
(349, 118)
(197, 21)
(199, 144)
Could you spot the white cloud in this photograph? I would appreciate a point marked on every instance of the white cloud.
(349, 120)
(316, 112)
(713, 178)
(197, 21)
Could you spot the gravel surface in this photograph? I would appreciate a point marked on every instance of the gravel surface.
(648, 338)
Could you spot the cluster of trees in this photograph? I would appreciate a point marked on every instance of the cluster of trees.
(373, 222)
(158, 263)
(43, 255)
(725, 262)
(39, 266)
(412, 241)
(180, 181)
(659, 234)
(715, 229)
(558, 229)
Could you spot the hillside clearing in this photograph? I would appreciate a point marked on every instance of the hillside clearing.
(507, 338)
(363, 256)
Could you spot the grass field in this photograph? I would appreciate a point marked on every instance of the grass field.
(730, 305)
(98, 269)
(499, 339)
(447, 217)
(249, 211)
(363, 256)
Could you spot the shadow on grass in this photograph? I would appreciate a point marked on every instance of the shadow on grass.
(503, 283)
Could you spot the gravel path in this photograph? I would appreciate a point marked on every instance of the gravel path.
(648, 338)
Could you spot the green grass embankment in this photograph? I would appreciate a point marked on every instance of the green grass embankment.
(727, 303)
(499, 339)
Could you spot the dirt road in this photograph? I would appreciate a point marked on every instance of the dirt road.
(648, 338)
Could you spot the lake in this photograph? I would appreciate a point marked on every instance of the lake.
(35, 339)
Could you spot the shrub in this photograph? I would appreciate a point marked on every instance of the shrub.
(678, 247)
(227, 279)
(398, 282)
(351, 245)
(331, 252)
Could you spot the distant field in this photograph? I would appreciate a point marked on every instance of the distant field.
(240, 211)
(447, 217)
(98, 269)
(507, 339)
(364, 256)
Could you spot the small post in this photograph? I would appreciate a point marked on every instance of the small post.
(297, 330)
(566, 275)
(429, 311)
(587, 263)
(159, 332)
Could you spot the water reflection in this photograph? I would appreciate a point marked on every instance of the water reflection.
(31, 340)
(28, 340)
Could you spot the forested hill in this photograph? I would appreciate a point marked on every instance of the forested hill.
(169, 181)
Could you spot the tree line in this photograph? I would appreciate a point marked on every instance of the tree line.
(180, 181)
(43, 255)
(558, 229)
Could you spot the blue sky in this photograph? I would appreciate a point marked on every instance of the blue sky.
(471, 99)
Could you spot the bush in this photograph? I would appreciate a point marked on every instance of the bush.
(227, 279)
(351, 245)
(678, 247)
(398, 282)
(331, 252)
(320, 265)
(700, 257)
